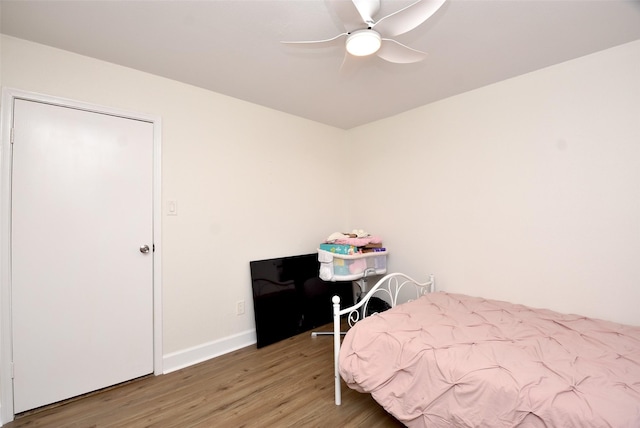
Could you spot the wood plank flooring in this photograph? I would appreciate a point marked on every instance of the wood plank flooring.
(287, 384)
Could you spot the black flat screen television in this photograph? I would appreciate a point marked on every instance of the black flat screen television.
(290, 298)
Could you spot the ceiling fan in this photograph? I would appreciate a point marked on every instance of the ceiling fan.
(367, 36)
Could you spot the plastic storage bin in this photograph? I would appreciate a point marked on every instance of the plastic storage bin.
(343, 267)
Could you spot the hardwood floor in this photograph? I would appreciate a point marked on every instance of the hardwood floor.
(287, 384)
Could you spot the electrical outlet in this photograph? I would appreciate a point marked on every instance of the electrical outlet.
(240, 307)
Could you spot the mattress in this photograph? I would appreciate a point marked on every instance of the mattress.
(449, 360)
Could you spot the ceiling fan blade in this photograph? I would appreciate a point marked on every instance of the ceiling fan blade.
(347, 13)
(350, 64)
(408, 18)
(392, 51)
(334, 41)
(367, 10)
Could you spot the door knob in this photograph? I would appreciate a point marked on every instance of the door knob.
(144, 249)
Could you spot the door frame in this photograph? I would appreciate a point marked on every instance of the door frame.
(9, 95)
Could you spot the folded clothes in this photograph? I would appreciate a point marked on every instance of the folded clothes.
(358, 242)
(339, 248)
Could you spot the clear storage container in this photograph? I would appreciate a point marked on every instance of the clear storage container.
(343, 267)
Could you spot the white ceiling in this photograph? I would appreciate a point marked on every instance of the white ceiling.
(233, 47)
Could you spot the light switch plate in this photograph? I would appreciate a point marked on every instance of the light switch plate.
(172, 208)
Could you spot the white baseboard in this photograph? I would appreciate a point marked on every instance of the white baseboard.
(197, 354)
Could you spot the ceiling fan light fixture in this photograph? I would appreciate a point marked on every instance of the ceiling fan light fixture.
(363, 42)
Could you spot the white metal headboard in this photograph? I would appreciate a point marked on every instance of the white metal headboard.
(388, 286)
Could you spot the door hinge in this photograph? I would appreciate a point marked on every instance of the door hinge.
(11, 135)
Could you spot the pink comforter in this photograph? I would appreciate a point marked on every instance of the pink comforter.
(448, 360)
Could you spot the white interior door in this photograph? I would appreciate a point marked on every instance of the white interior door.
(81, 289)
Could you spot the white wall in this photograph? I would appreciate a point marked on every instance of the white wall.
(526, 190)
(248, 181)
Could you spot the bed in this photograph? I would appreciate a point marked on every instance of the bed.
(450, 360)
